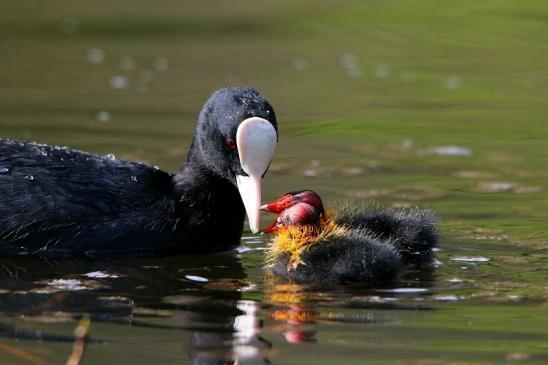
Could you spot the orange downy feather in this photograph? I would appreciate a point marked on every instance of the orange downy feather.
(296, 239)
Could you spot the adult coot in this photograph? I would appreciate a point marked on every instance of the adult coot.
(367, 244)
(57, 202)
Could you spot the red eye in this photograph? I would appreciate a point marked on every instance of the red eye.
(230, 143)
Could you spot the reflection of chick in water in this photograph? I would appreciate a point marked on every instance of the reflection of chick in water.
(296, 315)
(301, 308)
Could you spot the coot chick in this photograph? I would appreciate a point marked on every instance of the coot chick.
(58, 202)
(367, 244)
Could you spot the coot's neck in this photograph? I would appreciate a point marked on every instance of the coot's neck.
(195, 178)
(210, 205)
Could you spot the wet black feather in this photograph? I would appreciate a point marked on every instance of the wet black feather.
(412, 230)
(355, 257)
(377, 246)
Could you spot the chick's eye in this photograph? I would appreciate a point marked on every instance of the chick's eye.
(230, 143)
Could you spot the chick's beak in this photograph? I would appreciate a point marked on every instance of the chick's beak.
(274, 227)
(269, 208)
(279, 205)
(256, 140)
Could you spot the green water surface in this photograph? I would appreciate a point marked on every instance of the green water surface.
(440, 104)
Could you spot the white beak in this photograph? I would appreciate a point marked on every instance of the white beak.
(256, 141)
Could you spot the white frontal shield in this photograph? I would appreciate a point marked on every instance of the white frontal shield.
(256, 141)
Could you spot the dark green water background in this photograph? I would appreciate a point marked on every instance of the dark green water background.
(441, 104)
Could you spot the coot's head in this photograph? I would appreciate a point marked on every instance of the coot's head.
(235, 139)
(302, 207)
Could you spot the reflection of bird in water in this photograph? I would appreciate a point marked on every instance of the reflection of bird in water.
(290, 308)
(239, 344)
(369, 245)
(208, 318)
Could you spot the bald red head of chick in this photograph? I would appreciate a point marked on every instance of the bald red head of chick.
(295, 208)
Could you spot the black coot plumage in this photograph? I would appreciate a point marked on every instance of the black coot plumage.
(58, 202)
(367, 244)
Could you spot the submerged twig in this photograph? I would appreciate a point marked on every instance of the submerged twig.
(21, 354)
(80, 337)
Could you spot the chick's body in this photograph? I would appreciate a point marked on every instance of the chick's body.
(367, 244)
